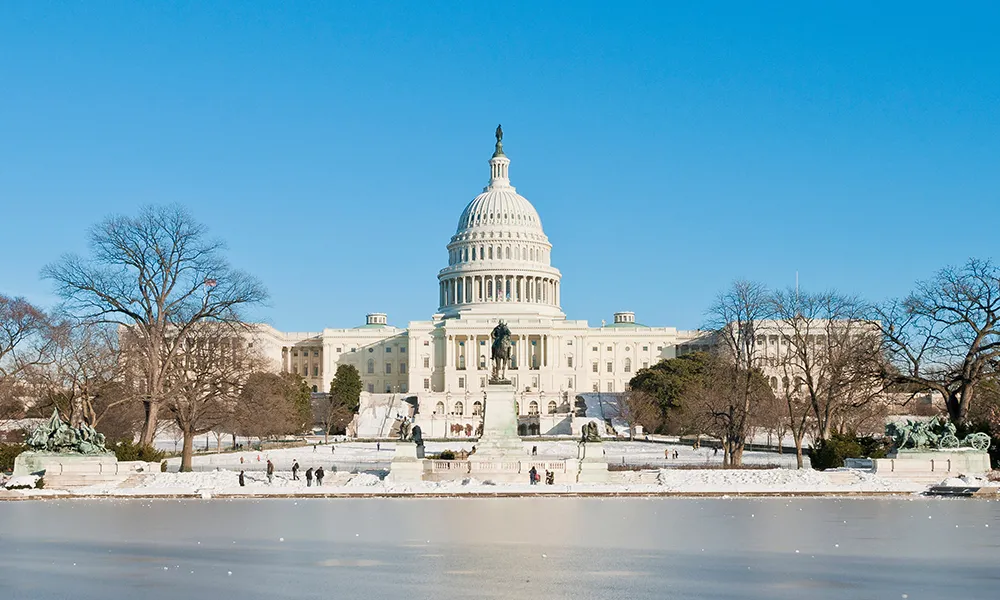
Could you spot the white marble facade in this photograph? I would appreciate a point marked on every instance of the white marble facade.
(499, 267)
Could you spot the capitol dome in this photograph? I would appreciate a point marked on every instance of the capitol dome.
(498, 259)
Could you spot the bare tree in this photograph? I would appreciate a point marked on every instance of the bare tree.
(24, 339)
(736, 316)
(945, 336)
(830, 356)
(206, 383)
(84, 373)
(158, 276)
(265, 408)
(637, 407)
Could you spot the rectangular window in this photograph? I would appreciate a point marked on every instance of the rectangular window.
(645, 348)
(315, 371)
(295, 369)
(427, 362)
(645, 364)
(402, 388)
(388, 349)
(597, 387)
(482, 382)
(402, 368)
(402, 349)
(609, 348)
(611, 367)
(427, 384)
(659, 348)
(569, 342)
(593, 366)
(340, 349)
(594, 348)
(388, 368)
(461, 382)
(371, 388)
(569, 383)
(427, 343)
(569, 362)
(611, 386)
(315, 352)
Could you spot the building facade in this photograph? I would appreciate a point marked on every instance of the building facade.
(435, 371)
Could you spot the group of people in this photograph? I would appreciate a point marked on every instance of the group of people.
(667, 453)
(311, 474)
(535, 478)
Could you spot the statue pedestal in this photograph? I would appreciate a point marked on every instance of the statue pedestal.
(407, 463)
(593, 464)
(499, 439)
(62, 471)
(932, 466)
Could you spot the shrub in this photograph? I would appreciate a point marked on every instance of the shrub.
(446, 455)
(163, 466)
(127, 450)
(8, 452)
(830, 454)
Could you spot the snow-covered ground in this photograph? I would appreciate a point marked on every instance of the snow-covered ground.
(692, 481)
(364, 455)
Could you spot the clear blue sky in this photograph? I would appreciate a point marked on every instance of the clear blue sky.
(669, 149)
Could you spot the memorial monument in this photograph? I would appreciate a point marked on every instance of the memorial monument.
(499, 439)
(928, 451)
(67, 456)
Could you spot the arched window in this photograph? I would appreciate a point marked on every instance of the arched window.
(491, 251)
(628, 365)
(784, 383)
(774, 383)
(507, 252)
(477, 408)
(439, 409)
(552, 407)
(532, 408)
(459, 409)
(473, 254)
(371, 366)
(315, 389)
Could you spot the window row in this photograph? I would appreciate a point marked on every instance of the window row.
(498, 252)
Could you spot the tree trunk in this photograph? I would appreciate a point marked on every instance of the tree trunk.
(152, 408)
(188, 451)
(799, 462)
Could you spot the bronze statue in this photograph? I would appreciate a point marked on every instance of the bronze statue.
(590, 433)
(499, 134)
(500, 351)
(56, 436)
(499, 147)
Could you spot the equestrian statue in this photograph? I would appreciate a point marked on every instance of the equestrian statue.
(500, 352)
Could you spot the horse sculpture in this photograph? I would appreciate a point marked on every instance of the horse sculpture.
(500, 351)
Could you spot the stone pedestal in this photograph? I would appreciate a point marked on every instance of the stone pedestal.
(405, 465)
(61, 471)
(932, 466)
(593, 464)
(499, 439)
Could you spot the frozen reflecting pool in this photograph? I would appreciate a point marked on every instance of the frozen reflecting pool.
(523, 548)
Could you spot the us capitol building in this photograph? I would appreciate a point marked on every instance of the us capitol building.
(435, 371)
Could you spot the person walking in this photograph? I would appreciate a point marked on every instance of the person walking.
(666, 453)
(333, 449)
(534, 450)
(242, 480)
(677, 454)
(532, 474)
(319, 476)
(378, 446)
(270, 472)
(309, 477)
(295, 470)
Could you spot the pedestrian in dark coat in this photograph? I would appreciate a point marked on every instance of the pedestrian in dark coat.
(295, 470)
(309, 477)
(270, 471)
(242, 481)
(532, 473)
(319, 476)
